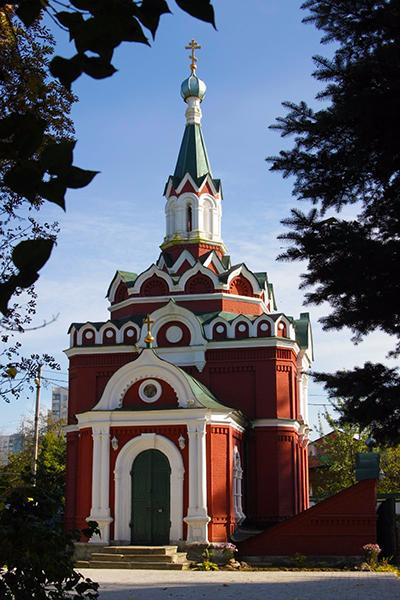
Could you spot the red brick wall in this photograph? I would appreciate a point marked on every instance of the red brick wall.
(340, 525)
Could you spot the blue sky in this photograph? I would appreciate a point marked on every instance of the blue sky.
(130, 126)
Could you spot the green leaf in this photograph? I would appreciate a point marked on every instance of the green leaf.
(78, 178)
(133, 32)
(83, 4)
(149, 13)
(56, 157)
(201, 9)
(25, 132)
(29, 10)
(71, 20)
(98, 68)
(31, 255)
(54, 191)
(99, 34)
(66, 70)
(24, 179)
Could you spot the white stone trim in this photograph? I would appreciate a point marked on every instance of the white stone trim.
(114, 286)
(303, 365)
(100, 509)
(174, 312)
(197, 518)
(108, 325)
(213, 258)
(147, 365)
(87, 327)
(192, 355)
(153, 270)
(173, 416)
(198, 268)
(184, 297)
(123, 492)
(185, 255)
(128, 325)
(260, 319)
(290, 332)
(184, 356)
(243, 270)
(143, 396)
(285, 423)
(237, 486)
(264, 342)
(82, 350)
(188, 178)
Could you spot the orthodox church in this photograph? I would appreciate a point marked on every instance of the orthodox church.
(188, 405)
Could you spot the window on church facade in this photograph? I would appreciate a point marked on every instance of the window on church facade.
(189, 223)
(237, 486)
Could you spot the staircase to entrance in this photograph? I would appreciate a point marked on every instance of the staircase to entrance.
(136, 557)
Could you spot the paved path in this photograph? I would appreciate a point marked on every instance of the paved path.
(119, 584)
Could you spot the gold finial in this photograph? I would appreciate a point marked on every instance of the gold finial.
(193, 45)
(149, 338)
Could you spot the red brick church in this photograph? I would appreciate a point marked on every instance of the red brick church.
(188, 406)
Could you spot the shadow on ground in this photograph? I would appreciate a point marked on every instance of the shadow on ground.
(331, 587)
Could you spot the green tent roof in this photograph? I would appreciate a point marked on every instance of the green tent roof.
(192, 156)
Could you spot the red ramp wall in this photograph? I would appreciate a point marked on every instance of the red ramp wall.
(340, 525)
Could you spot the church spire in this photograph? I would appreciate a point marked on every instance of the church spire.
(193, 209)
(193, 157)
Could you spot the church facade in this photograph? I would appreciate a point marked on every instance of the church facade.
(188, 405)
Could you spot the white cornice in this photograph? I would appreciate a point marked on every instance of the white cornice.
(120, 349)
(246, 343)
(173, 416)
(284, 423)
(178, 297)
(249, 343)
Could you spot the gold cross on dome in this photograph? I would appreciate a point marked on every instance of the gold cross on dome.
(149, 338)
(193, 45)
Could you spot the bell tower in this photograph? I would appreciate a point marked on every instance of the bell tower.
(193, 196)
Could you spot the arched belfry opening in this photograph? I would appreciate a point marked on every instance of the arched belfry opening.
(189, 219)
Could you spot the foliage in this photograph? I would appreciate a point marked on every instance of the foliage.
(207, 563)
(336, 455)
(384, 566)
(37, 167)
(36, 159)
(346, 156)
(36, 553)
(25, 89)
(51, 460)
(221, 552)
(371, 398)
(335, 462)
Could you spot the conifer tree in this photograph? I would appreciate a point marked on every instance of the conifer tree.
(346, 159)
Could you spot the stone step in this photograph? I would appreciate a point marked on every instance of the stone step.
(134, 557)
(104, 564)
(166, 550)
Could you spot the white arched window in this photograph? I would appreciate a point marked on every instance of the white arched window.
(237, 486)
(208, 219)
(189, 218)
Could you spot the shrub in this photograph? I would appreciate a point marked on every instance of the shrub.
(371, 553)
(36, 553)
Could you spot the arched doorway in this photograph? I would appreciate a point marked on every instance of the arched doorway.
(150, 511)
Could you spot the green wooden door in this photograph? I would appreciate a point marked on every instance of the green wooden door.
(150, 521)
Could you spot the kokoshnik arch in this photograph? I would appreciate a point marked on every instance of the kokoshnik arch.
(200, 426)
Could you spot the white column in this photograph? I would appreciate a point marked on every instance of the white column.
(180, 222)
(202, 469)
(100, 510)
(197, 518)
